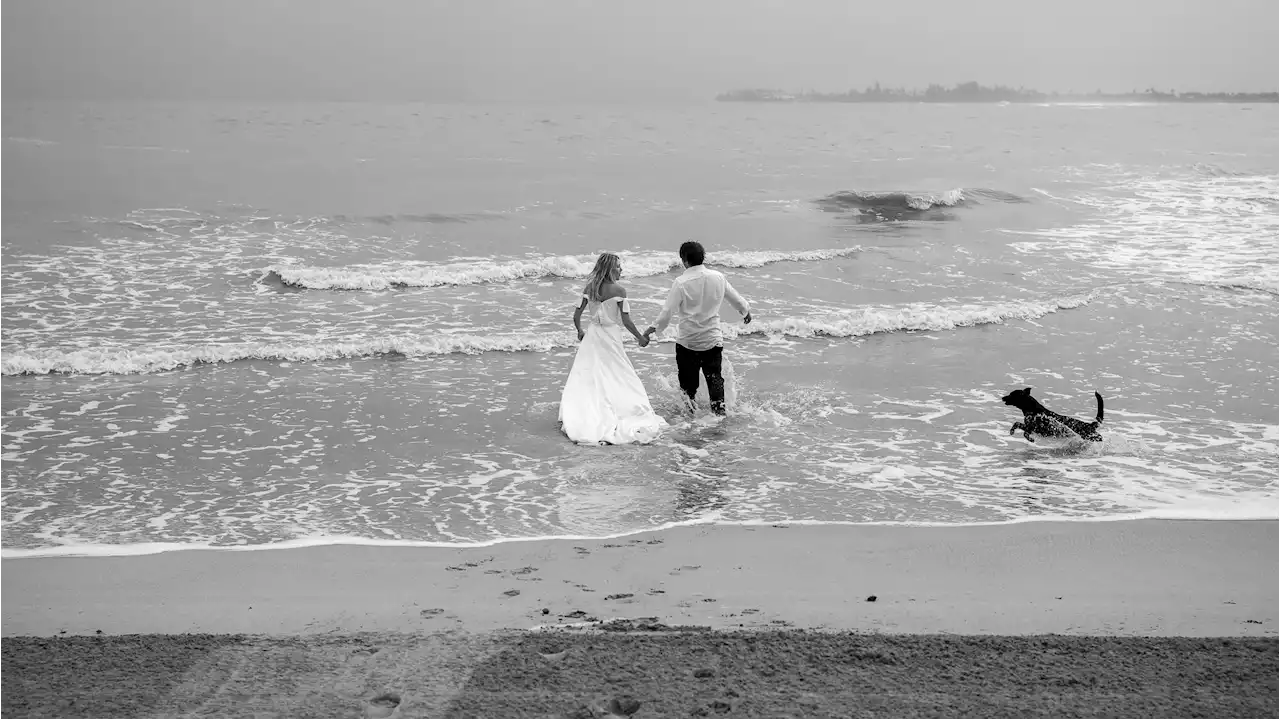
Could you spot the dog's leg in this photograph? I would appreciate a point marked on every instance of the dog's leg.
(1028, 436)
(1014, 429)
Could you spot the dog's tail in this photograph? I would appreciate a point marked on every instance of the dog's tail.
(1098, 419)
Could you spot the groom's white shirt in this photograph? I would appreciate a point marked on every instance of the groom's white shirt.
(694, 300)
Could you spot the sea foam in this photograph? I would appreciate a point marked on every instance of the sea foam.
(849, 323)
(423, 274)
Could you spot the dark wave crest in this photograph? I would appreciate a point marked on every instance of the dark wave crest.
(892, 206)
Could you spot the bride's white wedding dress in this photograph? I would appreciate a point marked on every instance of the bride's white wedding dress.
(603, 399)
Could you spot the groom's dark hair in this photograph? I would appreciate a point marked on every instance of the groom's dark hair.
(692, 253)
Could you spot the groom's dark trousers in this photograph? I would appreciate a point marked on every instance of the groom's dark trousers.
(690, 362)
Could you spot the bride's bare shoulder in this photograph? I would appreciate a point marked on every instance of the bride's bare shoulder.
(613, 289)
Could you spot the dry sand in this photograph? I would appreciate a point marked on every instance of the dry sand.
(740, 674)
(444, 630)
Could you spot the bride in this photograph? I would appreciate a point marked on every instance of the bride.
(603, 400)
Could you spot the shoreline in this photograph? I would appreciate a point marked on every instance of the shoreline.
(1134, 578)
(142, 549)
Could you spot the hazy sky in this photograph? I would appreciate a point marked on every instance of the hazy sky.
(620, 49)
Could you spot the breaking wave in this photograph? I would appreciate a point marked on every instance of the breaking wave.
(121, 360)
(915, 317)
(849, 323)
(422, 274)
(906, 205)
(889, 205)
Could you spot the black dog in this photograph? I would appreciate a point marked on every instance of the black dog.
(1037, 418)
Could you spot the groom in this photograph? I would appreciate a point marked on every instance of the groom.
(695, 299)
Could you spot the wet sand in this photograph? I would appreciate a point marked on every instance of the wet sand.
(332, 628)
(1149, 578)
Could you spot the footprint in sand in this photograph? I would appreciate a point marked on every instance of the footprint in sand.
(428, 613)
(579, 615)
(382, 706)
(554, 657)
(685, 568)
(468, 565)
(615, 708)
(623, 706)
(715, 707)
(361, 653)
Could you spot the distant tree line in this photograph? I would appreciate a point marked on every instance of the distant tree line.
(973, 92)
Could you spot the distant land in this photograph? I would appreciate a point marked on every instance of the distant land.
(973, 92)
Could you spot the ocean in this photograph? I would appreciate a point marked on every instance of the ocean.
(247, 326)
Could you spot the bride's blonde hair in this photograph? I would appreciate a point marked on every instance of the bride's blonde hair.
(608, 268)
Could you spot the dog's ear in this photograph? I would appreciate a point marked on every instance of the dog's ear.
(1028, 391)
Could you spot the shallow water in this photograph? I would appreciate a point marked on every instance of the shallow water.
(239, 325)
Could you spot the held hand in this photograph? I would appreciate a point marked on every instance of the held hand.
(581, 334)
(643, 340)
(746, 320)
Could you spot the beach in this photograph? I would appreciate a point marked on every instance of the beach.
(295, 361)
(699, 591)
